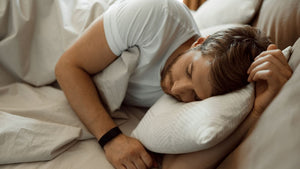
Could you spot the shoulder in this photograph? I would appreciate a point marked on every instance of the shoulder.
(147, 4)
(153, 6)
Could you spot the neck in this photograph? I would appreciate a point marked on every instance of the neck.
(182, 48)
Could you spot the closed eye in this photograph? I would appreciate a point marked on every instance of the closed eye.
(196, 97)
(189, 70)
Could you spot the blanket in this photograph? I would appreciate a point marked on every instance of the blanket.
(39, 120)
(34, 34)
(36, 120)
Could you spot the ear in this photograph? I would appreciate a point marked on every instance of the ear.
(199, 41)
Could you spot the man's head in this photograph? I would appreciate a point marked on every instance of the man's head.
(214, 65)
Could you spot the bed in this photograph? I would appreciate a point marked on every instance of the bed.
(55, 137)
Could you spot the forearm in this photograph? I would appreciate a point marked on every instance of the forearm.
(209, 158)
(83, 98)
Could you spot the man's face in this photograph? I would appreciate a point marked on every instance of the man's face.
(187, 77)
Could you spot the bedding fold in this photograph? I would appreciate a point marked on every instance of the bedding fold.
(34, 34)
(37, 123)
(28, 140)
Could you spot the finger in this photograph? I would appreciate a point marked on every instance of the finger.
(274, 81)
(121, 167)
(147, 159)
(139, 164)
(262, 75)
(263, 66)
(129, 165)
(283, 68)
(270, 69)
(272, 47)
(265, 63)
(269, 59)
(275, 52)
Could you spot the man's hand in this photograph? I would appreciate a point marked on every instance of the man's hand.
(270, 70)
(125, 152)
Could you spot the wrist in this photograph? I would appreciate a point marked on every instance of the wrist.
(109, 136)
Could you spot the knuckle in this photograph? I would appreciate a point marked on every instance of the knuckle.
(264, 52)
(277, 51)
(269, 56)
(131, 152)
(268, 63)
(270, 73)
(136, 148)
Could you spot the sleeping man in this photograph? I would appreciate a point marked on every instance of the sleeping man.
(174, 59)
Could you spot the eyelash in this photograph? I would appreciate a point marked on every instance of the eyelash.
(196, 97)
(190, 76)
(187, 71)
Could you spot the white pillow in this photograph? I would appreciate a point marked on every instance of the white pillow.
(211, 30)
(112, 81)
(174, 127)
(217, 12)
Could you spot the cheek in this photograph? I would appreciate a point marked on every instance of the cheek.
(165, 83)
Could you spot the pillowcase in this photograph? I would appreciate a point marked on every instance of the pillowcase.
(281, 21)
(174, 127)
(217, 12)
(211, 30)
(112, 82)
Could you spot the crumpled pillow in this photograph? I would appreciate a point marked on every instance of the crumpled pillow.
(174, 127)
(112, 82)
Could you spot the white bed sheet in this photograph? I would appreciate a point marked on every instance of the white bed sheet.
(48, 105)
(33, 35)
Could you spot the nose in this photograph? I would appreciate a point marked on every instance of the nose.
(182, 89)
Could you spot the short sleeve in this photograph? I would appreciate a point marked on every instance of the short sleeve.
(132, 22)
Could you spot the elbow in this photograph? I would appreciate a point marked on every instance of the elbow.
(60, 68)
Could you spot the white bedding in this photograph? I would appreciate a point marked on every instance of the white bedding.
(33, 35)
(37, 125)
(38, 129)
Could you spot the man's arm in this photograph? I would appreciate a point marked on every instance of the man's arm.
(270, 71)
(89, 55)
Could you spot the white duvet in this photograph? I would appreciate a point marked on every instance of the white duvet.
(36, 122)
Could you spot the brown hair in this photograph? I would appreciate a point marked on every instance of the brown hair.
(233, 50)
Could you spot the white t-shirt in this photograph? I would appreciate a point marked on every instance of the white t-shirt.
(157, 28)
